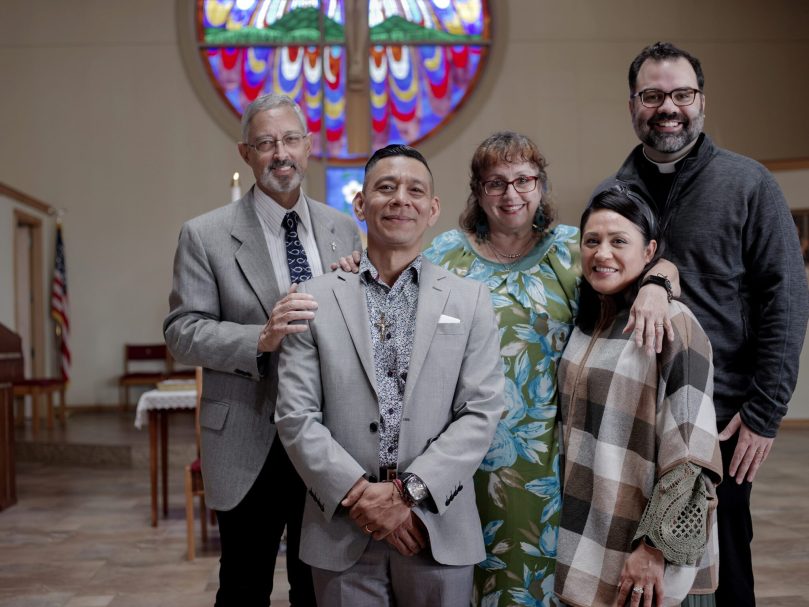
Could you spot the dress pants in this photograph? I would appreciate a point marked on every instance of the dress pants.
(251, 532)
(384, 578)
(735, 527)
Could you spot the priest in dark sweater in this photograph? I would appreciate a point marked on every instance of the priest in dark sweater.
(728, 230)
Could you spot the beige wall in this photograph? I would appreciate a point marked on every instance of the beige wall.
(97, 115)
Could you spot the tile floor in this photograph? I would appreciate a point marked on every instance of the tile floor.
(79, 536)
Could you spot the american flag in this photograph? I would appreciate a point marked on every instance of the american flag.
(60, 304)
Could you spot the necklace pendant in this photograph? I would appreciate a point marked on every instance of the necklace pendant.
(382, 326)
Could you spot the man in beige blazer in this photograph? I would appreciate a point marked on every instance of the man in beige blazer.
(387, 405)
(231, 306)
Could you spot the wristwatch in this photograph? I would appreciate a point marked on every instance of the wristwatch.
(661, 280)
(415, 491)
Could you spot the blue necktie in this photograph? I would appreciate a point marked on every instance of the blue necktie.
(299, 269)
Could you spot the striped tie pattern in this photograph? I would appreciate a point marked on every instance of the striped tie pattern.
(299, 269)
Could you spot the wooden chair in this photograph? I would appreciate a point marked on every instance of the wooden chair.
(35, 387)
(135, 357)
(194, 487)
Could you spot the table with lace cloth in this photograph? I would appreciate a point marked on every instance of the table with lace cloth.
(156, 406)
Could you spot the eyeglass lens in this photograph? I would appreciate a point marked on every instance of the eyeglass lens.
(290, 141)
(498, 187)
(656, 98)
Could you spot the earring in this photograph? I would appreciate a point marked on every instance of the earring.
(481, 230)
(540, 221)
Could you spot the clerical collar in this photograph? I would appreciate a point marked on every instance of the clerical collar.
(662, 167)
(670, 167)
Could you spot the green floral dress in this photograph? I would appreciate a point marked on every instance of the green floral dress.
(517, 484)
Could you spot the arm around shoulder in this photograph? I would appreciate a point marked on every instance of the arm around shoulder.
(194, 330)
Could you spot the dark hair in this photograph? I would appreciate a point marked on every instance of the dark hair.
(660, 51)
(511, 147)
(396, 149)
(631, 205)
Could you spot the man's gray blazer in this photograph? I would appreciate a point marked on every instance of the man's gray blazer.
(223, 293)
(328, 411)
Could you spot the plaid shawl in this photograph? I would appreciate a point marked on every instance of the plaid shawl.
(628, 418)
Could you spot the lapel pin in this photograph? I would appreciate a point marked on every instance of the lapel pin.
(334, 246)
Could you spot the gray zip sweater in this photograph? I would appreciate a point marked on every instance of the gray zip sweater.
(728, 230)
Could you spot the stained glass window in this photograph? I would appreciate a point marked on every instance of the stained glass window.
(423, 60)
(342, 183)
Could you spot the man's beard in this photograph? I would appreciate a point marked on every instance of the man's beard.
(669, 143)
(285, 184)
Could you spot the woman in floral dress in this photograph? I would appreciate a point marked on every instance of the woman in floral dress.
(532, 271)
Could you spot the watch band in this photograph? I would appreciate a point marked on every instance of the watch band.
(661, 280)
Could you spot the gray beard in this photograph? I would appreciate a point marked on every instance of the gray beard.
(671, 143)
(273, 184)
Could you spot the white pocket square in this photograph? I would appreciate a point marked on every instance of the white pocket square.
(449, 320)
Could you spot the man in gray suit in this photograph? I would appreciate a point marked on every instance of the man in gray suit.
(233, 302)
(398, 379)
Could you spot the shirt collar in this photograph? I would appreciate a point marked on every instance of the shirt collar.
(273, 213)
(369, 273)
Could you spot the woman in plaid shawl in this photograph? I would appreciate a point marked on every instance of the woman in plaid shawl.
(640, 450)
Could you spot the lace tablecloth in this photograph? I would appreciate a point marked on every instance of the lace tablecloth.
(163, 399)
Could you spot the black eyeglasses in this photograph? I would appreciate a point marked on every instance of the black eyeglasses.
(655, 98)
(522, 185)
(290, 140)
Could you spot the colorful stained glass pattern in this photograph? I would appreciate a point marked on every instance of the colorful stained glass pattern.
(448, 21)
(415, 88)
(342, 183)
(425, 57)
(270, 21)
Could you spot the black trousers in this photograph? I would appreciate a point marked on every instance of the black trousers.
(735, 526)
(250, 534)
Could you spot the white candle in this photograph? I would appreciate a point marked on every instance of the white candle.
(235, 188)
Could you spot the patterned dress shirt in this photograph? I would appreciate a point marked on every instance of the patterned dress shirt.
(392, 317)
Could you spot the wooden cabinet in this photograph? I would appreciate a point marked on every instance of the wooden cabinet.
(11, 368)
(8, 485)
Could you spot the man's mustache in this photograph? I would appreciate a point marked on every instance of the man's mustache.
(280, 164)
(658, 118)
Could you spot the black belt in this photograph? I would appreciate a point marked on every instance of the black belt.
(386, 473)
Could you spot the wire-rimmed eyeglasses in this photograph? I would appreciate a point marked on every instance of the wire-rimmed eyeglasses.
(653, 98)
(290, 140)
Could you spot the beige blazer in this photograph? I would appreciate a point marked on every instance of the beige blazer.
(327, 411)
(223, 292)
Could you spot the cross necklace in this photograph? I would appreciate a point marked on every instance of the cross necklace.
(382, 325)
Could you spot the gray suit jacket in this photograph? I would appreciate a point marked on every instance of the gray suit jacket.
(223, 293)
(327, 411)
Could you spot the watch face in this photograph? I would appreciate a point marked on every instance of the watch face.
(416, 489)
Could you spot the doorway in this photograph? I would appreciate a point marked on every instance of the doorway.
(29, 298)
